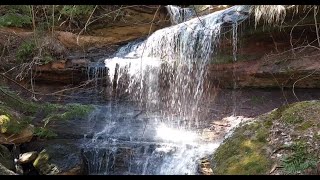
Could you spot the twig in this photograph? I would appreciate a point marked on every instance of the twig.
(52, 20)
(85, 26)
(4, 92)
(281, 87)
(274, 168)
(274, 42)
(51, 94)
(104, 15)
(315, 23)
(300, 80)
(86, 83)
(292, 31)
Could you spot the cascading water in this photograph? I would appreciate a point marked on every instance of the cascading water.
(164, 76)
(179, 15)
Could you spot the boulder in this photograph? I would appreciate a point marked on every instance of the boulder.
(24, 136)
(6, 158)
(27, 157)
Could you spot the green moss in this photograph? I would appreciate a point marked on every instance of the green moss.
(243, 153)
(4, 120)
(25, 112)
(262, 134)
(297, 112)
(304, 126)
(268, 123)
(42, 159)
(292, 118)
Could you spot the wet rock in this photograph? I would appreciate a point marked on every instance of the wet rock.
(6, 158)
(24, 136)
(5, 171)
(19, 169)
(57, 156)
(27, 157)
(74, 171)
(204, 167)
(43, 166)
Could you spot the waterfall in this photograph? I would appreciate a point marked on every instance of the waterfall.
(166, 71)
(179, 15)
(164, 77)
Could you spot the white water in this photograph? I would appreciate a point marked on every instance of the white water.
(179, 15)
(164, 75)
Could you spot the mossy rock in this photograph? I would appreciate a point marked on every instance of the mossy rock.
(14, 127)
(42, 164)
(244, 152)
(25, 135)
(249, 149)
(44, 115)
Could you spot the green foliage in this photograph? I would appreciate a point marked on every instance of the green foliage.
(77, 111)
(14, 127)
(49, 108)
(16, 16)
(47, 58)
(15, 20)
(67, 112)
(77, 10)
(44, 133)
(300, 159)
(12, 100)
(26, 51)
(10, 122)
